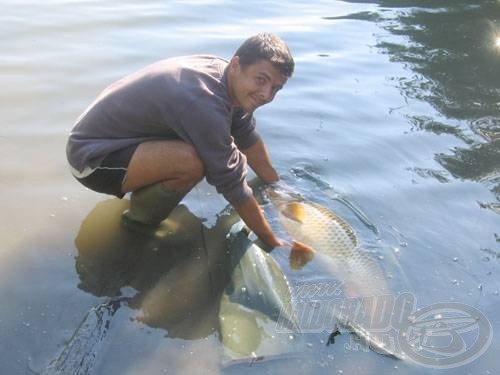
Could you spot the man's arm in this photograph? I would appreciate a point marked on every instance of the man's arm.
(259, 160)
(252, 215)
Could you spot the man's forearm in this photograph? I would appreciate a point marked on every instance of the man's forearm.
(252, 215)
(259, 160)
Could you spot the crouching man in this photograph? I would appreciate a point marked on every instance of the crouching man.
(159, 131)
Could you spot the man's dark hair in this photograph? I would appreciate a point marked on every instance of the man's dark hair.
(265, 46)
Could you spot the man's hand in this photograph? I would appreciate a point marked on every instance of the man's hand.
(252, 215)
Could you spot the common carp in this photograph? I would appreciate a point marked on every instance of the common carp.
(331, 238)
(335, 252)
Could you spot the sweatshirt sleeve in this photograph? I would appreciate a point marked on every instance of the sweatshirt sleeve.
(243, 129)
(207, 127)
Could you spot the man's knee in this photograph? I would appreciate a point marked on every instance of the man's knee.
(197, 171)
(173, 162)
(194, 170)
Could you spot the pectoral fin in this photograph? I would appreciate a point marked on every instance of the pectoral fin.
(299, 259)
(294, 211)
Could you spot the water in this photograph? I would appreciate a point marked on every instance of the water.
(395, 104)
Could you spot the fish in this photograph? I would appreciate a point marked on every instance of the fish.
(335, 250)
(329, 237)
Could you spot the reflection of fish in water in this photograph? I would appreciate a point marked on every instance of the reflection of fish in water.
(336, 251)
(256, 317)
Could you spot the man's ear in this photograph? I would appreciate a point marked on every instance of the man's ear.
(234, 64)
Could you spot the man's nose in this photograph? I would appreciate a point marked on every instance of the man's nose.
(267, 94)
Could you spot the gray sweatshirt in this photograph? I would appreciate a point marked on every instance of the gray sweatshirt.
(181, 98)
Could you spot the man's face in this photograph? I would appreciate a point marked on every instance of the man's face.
(253, 85)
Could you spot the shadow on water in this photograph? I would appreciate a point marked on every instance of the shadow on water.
(176, 278)
(175, 274)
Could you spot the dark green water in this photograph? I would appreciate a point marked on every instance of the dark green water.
(395, 104)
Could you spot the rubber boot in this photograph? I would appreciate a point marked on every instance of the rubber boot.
(149, 206)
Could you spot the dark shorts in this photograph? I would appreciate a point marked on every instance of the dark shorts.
(109, 176)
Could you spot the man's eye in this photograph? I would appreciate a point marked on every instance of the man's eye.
(261, 80)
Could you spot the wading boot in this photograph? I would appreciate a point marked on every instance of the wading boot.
(149, 206)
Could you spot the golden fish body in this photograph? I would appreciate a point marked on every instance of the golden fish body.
(336, 250)
(333, 239)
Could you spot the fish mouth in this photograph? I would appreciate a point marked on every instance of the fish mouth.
(280, 196)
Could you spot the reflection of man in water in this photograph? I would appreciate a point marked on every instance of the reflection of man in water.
(159, 131)
(174, 281)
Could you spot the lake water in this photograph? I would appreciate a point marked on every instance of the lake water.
(394, 104)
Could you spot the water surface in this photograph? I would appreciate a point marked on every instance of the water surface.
(395, 104)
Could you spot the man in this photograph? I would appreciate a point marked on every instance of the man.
(159, 131)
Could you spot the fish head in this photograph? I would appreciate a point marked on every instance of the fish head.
(286, 201)
(280, 192)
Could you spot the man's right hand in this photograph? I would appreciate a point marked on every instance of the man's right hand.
(253, 217)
